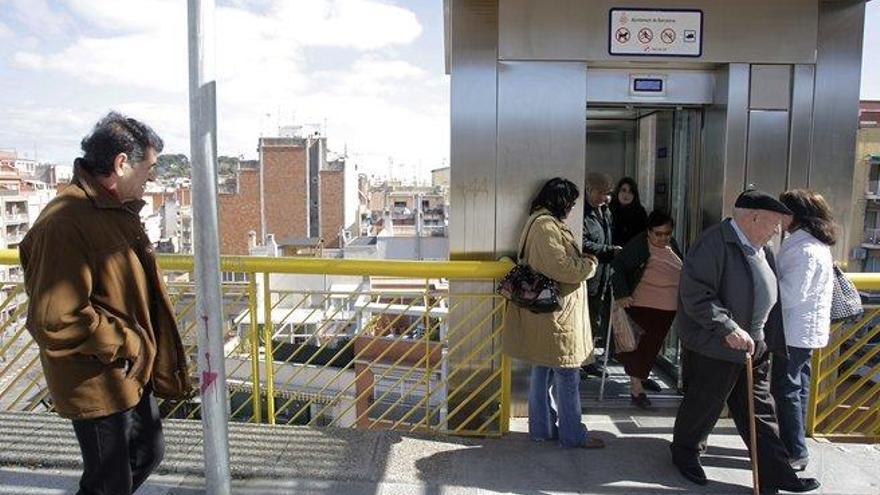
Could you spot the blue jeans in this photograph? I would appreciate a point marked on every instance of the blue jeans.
(563, 421)
(791, 390)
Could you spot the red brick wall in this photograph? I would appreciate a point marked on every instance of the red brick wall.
(332, 204)
(240, 213)
(286, 188)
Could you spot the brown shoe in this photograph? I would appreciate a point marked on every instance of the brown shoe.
(593, 443)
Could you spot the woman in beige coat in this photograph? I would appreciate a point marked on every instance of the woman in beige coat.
(558, 343)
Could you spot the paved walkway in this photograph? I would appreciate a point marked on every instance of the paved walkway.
(40, 455)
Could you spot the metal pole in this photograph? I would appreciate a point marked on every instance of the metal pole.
(209, 302)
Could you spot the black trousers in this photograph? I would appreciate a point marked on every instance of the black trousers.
(121, 450)
(709, 383)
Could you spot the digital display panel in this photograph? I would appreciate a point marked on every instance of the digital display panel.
(648, 85)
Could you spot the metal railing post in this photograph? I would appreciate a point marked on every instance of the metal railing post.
(268, 333)
(209, 299)
(255, 349)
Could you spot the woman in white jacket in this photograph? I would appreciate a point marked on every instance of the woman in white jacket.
(806, 281)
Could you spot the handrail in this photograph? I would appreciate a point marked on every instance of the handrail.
(328, 266)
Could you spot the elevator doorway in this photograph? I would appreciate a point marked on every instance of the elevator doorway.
(659, 147)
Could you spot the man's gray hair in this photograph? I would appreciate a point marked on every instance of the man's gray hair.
(599, 180)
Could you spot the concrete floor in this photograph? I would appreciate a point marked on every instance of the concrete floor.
(40, 456)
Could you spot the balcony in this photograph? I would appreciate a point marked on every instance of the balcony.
(872, 190)
(14, 238)
(871, 239)
(13, 218)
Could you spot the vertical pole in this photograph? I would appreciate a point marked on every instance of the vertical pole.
(505, 394)
(268, 333)
(255, 349)
(209, 303)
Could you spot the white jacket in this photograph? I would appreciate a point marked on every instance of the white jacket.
(806, 282)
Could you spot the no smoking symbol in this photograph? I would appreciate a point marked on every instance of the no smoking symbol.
(646, 35)
(622, 35)
(668, 36)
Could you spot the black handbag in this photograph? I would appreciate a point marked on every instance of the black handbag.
(528, 288)
(845, 300)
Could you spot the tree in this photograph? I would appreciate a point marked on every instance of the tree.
(173, 165)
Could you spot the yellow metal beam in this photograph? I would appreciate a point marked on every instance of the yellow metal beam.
(322, 266)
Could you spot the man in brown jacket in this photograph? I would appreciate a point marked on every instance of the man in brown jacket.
(99, 310)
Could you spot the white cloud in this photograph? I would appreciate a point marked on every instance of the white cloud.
(129, 15)
(5, 31)
(38, 17)
(377, 106)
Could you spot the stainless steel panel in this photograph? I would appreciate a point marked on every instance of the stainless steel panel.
(741, 31)
(607, 151)
(474, 28)
(799, 153)
(771, 87)
(838, 71)
(683, 87)
(473, 112)
(541, 134)
(767, 166)
(647, 153)
(736, 134)
(714, 152)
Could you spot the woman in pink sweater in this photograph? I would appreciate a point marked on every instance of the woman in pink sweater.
(645, 280)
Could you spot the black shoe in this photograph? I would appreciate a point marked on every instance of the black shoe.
(690, 468)
(593, 369)
(651, 385)
(802, 485)
(641, 401)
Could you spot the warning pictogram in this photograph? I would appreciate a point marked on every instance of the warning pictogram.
(622, 35)
(668, 36)
(646, 35)
(690, 36)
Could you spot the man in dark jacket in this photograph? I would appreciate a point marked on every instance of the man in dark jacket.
(597, 241)
(99, 311)
(728, 308)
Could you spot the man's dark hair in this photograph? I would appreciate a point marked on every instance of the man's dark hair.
(659, 218)
(115, 134)
(811, 213)
(558, 196)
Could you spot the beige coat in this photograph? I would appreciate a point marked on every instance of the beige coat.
(561, 339)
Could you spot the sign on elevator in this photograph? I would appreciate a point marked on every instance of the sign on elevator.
(655, 32)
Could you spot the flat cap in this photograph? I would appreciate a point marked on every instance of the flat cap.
(754, 199)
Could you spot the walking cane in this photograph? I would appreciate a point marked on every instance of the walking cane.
(753, 434)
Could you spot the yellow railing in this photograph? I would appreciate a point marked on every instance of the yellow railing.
(327, 342)
(845, 383)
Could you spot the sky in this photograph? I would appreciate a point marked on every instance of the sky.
(370, 72)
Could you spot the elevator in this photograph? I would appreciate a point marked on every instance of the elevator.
(694, 100)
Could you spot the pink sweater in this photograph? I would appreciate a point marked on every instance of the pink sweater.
(658, 287)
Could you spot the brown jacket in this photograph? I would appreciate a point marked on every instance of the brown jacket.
(88, 271)
(562, 339)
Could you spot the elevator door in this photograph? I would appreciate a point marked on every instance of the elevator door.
(659, 147)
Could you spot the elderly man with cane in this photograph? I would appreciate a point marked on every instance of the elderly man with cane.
(729, 312)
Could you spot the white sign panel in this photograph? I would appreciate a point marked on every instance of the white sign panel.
(655, 32)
